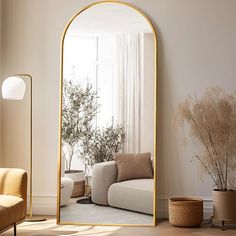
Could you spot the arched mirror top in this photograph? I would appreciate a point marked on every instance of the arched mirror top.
(95, 21)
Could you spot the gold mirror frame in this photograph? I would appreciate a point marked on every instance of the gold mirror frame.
(155, 120)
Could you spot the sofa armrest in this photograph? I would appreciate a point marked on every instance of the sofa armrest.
(13, 182)
(104, 175)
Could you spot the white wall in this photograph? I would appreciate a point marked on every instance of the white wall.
(148, 93)
(196, 50)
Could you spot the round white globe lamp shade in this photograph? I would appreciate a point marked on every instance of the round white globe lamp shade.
(13, 88)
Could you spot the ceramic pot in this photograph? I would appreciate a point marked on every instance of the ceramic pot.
(224, 205)
(76, 175)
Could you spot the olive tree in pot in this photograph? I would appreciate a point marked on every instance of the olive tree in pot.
(79, 109)
(80, 136)
(212, 122)
(101, 144)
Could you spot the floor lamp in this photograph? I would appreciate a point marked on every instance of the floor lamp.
(13, 88)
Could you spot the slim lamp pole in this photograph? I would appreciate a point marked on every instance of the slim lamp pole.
(31, 218)
(31, 143)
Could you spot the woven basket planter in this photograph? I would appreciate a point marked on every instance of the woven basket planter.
(79, 189)
(185, 211)
(78, 176)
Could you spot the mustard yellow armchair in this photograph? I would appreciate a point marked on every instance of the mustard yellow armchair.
(13, 198)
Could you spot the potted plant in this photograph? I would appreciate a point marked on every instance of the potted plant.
(80, 136)
(79, 109)
(212, 122)
(101, 143)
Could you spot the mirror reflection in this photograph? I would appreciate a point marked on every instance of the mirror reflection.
(108, 118)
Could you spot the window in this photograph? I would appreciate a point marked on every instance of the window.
(91, 60)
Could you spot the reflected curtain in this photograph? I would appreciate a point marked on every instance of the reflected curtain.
(128, 83)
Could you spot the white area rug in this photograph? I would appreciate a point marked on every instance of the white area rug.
(94, 214)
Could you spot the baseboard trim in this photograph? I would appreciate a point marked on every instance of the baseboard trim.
(47, 205)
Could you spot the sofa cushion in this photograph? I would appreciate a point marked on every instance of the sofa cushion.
(136, 195)
(133, 166)
(12, 210)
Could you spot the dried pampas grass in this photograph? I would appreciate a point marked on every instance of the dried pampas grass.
(212, 121)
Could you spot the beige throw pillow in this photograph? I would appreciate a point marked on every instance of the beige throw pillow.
(133, 166)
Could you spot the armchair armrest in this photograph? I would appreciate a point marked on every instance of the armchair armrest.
(104, 174)
(13, 182)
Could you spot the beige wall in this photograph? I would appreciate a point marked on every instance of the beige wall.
(0, 79)
(196, 50)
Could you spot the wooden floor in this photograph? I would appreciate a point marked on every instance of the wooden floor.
(49, 228)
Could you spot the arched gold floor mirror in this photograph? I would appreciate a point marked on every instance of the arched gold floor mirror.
(108, 118)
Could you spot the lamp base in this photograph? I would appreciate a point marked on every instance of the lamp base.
(34, 219)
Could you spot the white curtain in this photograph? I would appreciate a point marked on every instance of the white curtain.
(128, 88)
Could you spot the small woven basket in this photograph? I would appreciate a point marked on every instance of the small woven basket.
(185, 211)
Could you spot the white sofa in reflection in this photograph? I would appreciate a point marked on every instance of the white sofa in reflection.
(135, 195)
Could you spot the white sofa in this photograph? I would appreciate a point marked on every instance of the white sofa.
(135, 195)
